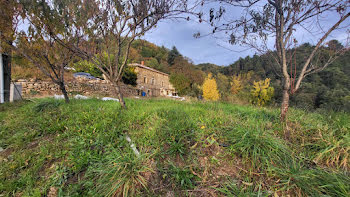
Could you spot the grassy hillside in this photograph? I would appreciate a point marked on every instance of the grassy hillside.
(186, 148)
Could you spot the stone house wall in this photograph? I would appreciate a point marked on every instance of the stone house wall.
(152, 82)
(32, 88)
(149, 80)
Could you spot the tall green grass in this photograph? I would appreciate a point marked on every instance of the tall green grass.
(121, 172)
(80, 149)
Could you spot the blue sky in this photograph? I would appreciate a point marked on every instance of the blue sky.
(200, 50)
(208, 50)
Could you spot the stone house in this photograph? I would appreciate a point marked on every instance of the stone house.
(152, 82)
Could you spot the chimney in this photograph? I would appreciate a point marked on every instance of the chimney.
(142, 63)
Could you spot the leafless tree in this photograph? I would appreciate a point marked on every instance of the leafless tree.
(48, 56)
(262, 21)
(35, 38)
(111, 28)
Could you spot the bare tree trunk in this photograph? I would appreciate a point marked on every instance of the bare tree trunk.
(120, 96)
(285, 101)
(64, 92)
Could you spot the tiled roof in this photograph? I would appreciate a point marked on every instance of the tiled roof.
(148, 68)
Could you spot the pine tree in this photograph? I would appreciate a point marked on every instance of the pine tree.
(174, 53)
(210, 90)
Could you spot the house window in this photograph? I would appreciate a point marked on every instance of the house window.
(144, 79)
(152, 81)
(162, 83)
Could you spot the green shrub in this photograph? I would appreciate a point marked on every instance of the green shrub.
(129, 76)
(262, 92)
(86, 66)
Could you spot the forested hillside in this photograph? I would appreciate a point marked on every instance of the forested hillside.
(327, 89)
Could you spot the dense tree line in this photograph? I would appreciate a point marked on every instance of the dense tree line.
(328, 89)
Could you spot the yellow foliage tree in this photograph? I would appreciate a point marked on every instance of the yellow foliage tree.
(210, 90)
(262, 92)
(240, 81)
(236, 84)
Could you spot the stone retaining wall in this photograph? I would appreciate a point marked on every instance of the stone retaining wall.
(32, 88)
